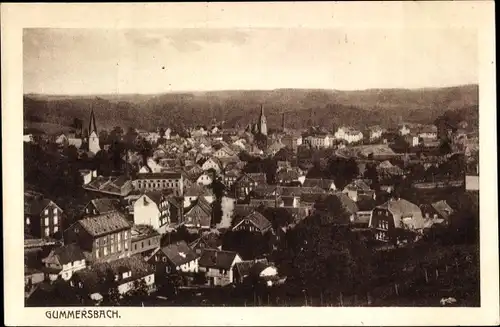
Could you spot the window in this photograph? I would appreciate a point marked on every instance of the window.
(47, 231)
(46, 221)
(135, 246)
(119, 236)
(125, 235)
(112, 248)
(54, 211)
(56, 229)
(27, 221)
(149, 242)
(119, 246)
(55, 220)
(126, 246)
(97, 253)
(97, 242)
(46, 212)
(105, 251)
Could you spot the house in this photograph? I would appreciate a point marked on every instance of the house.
(193, 192)
(199, 215)
(287, 176)
(43, 218)
(32, 277)
(117, 186)
(103, 237)
(298, 191)
(275, 147)
(320, 140)
(230, 176)
(101, 206)
(243, 268)
(325, 184)
(253, 222)
(145, 240)
(87, 175)
(218, 266)
(63, 261)
(207, 241)
(358, 189)
(177, 257)
(158, 210)
(126, 272)
(375, 132)
(365, 208)
(348, 204)
(222, 151)
(292, 141)
(427, 132)
(273, 202)
(385, 168)
(439, 210)
(212, 163)
(348, 134)
(394, 216)
(246, 183)
(204, 178)
(160, 181)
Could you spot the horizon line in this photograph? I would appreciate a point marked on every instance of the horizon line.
(253, 90)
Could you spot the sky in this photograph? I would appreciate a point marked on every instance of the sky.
(100, 61)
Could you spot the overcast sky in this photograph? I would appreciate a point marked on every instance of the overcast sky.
(96, 61)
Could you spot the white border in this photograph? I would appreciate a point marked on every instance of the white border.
(475, 14)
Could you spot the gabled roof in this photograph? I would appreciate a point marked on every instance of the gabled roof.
(35, 205)
(244, 267)
(400, 209)
(198, 190)
(65, 254)
(349, 205)
(104, 224)
(357, 185)
(217, 259)
(442, 208)
(257, 219)
(199, 213)
(179, 253)
(105, 205)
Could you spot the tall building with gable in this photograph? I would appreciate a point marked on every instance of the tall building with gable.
(262, 122)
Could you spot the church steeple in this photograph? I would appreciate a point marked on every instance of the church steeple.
(93, 136)
(92, 125)
(262, 121)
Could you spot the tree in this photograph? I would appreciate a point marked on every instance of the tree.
(116, 134)
(103, 137)
(130, 137)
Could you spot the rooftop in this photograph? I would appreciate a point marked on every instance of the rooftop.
(104, 224)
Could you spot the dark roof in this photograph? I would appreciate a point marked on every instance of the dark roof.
(68, 253)
(257, 219)
(105, 205)
(136, 264)
(312, 197)
(321, 183)
(442, 208)
(259, 178)
(163, 175)
(218, 259)
(298, 191)
(244, 267)
(112, 185)
(198, 190)
(179, 253)
(287, 201)
(34, 205)
(349, 205)
(200, 213)
(104, 224)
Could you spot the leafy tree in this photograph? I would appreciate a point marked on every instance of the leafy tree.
(103, 137)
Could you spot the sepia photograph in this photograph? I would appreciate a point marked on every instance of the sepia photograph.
(251, 166)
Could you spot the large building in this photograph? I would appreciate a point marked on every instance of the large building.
(261, 126)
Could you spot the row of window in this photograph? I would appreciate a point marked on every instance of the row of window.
(381, 236)
(104, 240)
(47, 230)
(46, 212)
(46, 221)
(113, 249)
(157, 185)
(383, 224)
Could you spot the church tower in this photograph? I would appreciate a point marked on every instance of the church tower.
(93, 140)
(262, 122)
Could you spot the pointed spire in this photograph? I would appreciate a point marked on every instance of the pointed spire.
(92, 125)
(261, 110)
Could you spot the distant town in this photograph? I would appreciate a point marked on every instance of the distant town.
(219, 216)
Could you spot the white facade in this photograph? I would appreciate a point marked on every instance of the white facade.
(211, 164)
(404, 130)
(227, 205)
(125, 287)
(204, 179)
(349, 135)
(146, 212)
(189, 267)
(94, 143)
